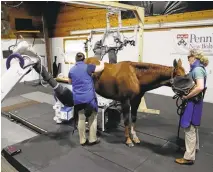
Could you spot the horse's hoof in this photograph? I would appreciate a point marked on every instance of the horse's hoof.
(136, 140)
(130, 145)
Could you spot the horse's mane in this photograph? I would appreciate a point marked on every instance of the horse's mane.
(157, 71)
(150, 66)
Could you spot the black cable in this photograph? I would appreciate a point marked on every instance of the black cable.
(13, 6)
(29, 65)
(9, 48)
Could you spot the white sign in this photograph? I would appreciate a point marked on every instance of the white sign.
(187, 39)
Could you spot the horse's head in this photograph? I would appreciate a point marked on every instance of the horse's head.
(178, 68)
(181, 83)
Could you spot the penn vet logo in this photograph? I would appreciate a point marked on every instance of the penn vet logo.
(182, 39)
(185, 40)
(196, 41)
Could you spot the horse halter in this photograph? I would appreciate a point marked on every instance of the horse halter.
(171, 81)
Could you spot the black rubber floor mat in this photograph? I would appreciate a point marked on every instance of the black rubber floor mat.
(113, 148)
(60, 151)
(166, 162)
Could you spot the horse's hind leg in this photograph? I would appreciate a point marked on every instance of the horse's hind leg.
(126, 113)
(134, 107)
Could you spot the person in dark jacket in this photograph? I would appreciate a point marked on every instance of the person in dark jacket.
(191, 118)
(84, 97)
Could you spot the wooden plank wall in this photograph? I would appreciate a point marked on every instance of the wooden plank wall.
(22, 12)
(76, 17)
(80, 18)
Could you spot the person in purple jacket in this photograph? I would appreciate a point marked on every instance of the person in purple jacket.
(84, 97)
(191, 117)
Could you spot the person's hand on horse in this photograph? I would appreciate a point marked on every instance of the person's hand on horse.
(100, 67)
(101, 62)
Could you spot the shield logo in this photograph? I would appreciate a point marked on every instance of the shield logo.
(182, 39)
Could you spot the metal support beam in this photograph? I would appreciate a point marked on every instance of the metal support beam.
(104, 4)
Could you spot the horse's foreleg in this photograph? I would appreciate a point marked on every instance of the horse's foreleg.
(134, 135)
(134, 107)
(126, 112)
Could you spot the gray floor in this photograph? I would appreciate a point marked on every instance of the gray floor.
(11, 132)
(155, 153)
(6, 167)
(22, 88)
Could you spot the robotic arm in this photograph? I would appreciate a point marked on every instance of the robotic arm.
(20, 63)
(17, 67)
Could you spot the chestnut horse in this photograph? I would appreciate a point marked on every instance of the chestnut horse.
(127, 83)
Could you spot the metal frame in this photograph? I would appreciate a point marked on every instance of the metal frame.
(139, 13)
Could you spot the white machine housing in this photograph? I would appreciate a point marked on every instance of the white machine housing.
(62, 113)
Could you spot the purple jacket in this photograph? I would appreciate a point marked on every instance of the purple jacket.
(82, 86)
(193, 112)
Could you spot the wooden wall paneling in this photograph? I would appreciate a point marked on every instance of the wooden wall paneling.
(71, 19)
(89, 23)
(80, 18)
(22, 13)
(59, 34)
(81, 21)
(68, 8)
(78, 15)
(86, 23)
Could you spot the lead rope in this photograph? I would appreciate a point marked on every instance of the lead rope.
(181, 105)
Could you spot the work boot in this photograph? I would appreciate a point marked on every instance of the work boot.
(84, 144)
(95, 142)
(183, 161)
